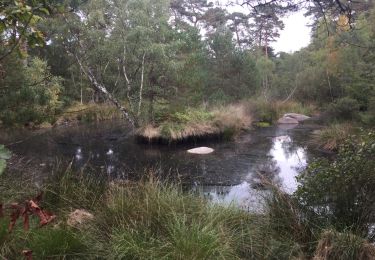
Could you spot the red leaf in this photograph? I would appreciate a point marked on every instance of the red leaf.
(14, 216)
(28, 254)
(45, 217)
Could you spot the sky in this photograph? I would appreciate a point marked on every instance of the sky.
(295, 35)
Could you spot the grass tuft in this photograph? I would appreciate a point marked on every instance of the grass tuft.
(221, 122)
(331, 137)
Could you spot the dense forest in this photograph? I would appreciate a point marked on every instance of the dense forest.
(186, 71)
(157, 57)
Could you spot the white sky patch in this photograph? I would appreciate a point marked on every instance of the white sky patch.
(296, 34)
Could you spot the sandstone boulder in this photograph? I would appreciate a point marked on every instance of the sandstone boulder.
(298, 117)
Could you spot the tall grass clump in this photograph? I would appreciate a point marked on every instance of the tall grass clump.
(334, 245)
(194, 124)
(70, 189)
(154, 221)
(332, 136)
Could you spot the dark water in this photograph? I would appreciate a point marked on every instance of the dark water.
(229, 174)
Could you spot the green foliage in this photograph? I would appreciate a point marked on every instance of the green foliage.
(19, 21)
(262, 124)
(4, 155)
(271, 111)
(341, 192)
(192, 115)
(344, 109)
(32, 96)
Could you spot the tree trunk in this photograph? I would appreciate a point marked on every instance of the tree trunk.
(141, 86)
(88, 72)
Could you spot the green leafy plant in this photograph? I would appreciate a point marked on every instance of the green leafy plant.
(341, 191)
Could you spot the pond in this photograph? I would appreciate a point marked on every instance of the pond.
(233, 172)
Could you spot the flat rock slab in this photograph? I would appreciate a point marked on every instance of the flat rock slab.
(298, 117)
(287, 120)
(201, 150)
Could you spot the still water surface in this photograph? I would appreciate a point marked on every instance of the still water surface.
(229, 175)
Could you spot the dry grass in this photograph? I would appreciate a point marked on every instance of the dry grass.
(90, 112)
(219, 122)
(331, 137)
(234, 116)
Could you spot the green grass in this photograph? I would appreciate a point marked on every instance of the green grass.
(155, 220)
(270, 111)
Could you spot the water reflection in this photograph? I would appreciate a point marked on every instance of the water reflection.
(285, 160)
(233, 173)
(242, 195)
(289, 161)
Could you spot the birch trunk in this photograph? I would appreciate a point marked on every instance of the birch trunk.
(141, 86)
(88, 72)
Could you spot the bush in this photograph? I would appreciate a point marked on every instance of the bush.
(32, 99)
(344, 109)
(341, 192)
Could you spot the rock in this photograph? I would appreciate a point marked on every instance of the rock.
(201, 150)
(287, 120)
(79, 217)
(298, 117)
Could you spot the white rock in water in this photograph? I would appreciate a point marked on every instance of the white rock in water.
(298, 117)
(201, 150)
(287, 120)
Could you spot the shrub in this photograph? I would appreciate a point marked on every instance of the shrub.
(344, 109)
(32, 99)
(341, 191)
